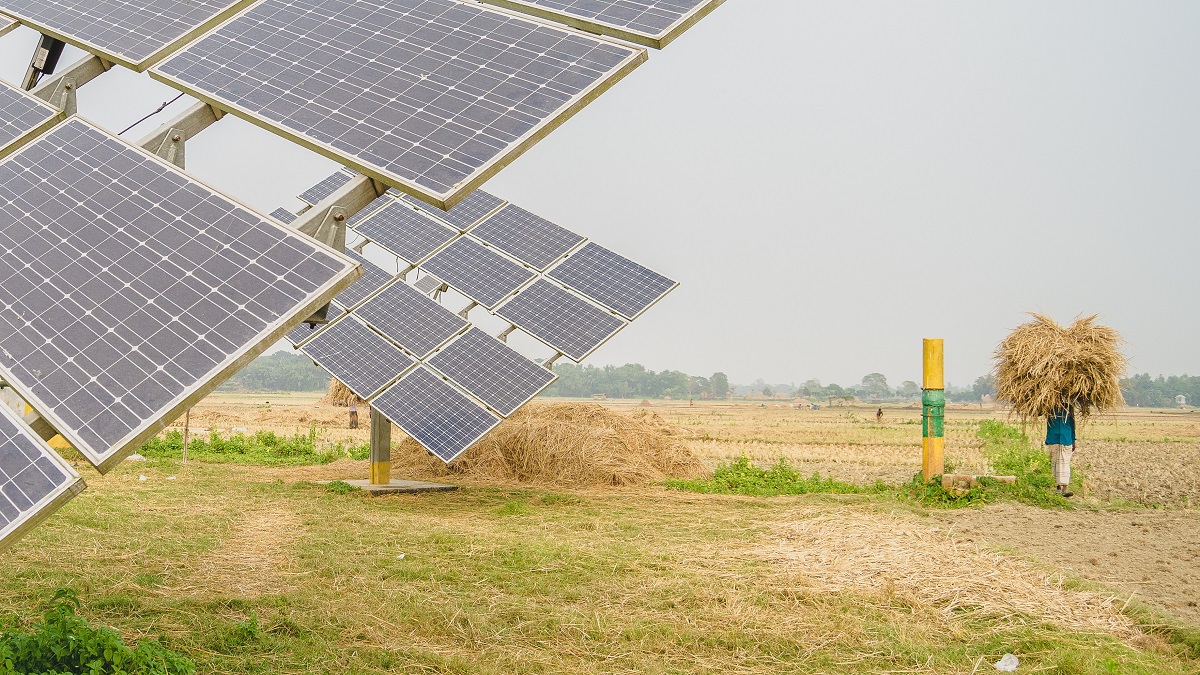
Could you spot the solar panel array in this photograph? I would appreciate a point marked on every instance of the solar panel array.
(325, 188)
(435, 414)
(492, 371)
(34, 480)
(404, 231)
(429, 96)
(478, 272)
(415, 322)
(134, 33)
(653, 23)
(612, 280)
(358, 356)
(527, 237)
(22, 117)
(561, 319)
(127, 290)
(463, 215)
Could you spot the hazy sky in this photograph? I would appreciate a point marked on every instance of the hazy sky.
(833, 181)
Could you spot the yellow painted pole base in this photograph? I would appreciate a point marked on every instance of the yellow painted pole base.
(381, 473)
(933, 461)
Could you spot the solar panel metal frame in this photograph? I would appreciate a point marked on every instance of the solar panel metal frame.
(405, 428)
(7, 25)
(446, 216)
(54, 116)
(229, 366)
(621, 320)
(657, 40)
(48, 504)
(372, 230)
(402, 289)
(442, 200)
(432, 362)
(578, 291)
(150, 60)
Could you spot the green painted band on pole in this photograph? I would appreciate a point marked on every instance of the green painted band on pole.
(933, 413)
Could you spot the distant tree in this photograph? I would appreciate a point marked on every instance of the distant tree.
(768, 391)
(719, 384)
(876, 385)
(908, 389)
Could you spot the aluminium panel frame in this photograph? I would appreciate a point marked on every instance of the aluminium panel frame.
(657, 41)
(463, 388)
(56, 116)
(554, 282)
(158, 55)
(442, 200)
(580, 293)
(7, 25)
(234, 362)
(51, 502)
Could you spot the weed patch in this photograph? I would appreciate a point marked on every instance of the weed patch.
(261, 447)
(740, 477)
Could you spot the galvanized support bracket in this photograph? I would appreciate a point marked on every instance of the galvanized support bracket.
(467, 310)
(168, 140)
(172, 146)
(63, 97)
(54, 91)
(548, 364)
(503, 336)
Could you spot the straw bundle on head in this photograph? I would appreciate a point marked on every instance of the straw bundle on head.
(340, 395)
(1042, 367)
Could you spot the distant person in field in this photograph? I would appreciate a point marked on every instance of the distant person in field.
(879, 415)
(1060, 441)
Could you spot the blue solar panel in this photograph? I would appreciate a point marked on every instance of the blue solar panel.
(436, 415)
(492, 371)
(429, 96)
(653, 23)
(415, 322)
(357, 356)
(283, 215)
(527, 237)
(472, 209)
(612, 280)
(562, 320)
(477, 272)
(22, 117)
(404, 231)
(325, 187)
(33, 479)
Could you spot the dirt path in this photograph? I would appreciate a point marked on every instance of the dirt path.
(256, 557)
(1153, 555)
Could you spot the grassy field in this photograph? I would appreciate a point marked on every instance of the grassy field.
(254, 569)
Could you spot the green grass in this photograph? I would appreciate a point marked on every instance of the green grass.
(262, 447)
(740, 477)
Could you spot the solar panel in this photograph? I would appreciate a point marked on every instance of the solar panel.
(562, 320)
(492, 371)
(472, 209)
(527, 237)
(427, 284)
(283, 215)
(128, 290)
(612, 280)
(325, 187)
(429, 96)
(358, 356)
(304, 331)
(435, 414)
(415, 322)
(653, 23)
(478, 273)
(404, 231)
(133, 33)
(22, 117)
(7, 25)
(374, 277)
(34, 480)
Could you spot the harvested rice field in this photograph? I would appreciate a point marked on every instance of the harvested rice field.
(256, 569)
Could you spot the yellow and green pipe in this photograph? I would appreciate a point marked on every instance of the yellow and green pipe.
(933, 411)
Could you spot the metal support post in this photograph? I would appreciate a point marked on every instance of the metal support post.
(503, 336)
(381, 448)
(59, 90)
(933, 411)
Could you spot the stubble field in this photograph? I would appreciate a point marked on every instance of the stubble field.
(259, 569)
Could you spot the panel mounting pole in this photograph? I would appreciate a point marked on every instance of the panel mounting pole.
(933, 413)
(381, 449)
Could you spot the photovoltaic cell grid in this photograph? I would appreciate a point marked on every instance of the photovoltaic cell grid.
(33, 478)
(304, 331)
(649, 22)
(404, 231)
(358, 356)
(492, 371)
(7, 25)
(415, 322)
(561, 319)
(430, 96)
(134, 33)
(374, 277)
(527, 237)
(283, 215)
(612, 280)
(21, 117)
(127, 289)
(472, 209)
(477, 272)
(326, 187)
(435, 414)
(427, 284)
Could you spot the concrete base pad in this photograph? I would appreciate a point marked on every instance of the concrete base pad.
(399, 486)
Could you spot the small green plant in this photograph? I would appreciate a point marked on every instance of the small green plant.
(261, 447)
(66, 644)
(740, 477)
(341, 487)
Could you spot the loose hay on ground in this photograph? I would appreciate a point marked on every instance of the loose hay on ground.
(580, 444)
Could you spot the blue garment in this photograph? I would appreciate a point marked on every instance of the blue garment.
(1060, 428)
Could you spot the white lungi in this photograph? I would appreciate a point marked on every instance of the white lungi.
(1060, 462)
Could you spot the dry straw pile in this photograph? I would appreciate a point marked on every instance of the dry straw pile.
(1042, 366)
(340, 395)
(578, 444)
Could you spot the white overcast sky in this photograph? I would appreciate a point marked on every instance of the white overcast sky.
(833, 181)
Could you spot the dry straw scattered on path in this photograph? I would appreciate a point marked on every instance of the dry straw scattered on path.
(575, 444)
(1042, 366)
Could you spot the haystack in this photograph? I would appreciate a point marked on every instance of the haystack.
(568, 444)
(340, 395)
(1042, 366)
